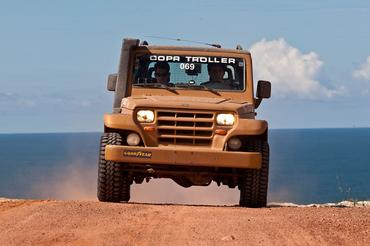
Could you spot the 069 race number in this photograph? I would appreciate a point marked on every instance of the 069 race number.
(187, 66)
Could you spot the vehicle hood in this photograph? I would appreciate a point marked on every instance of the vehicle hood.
(186, 102)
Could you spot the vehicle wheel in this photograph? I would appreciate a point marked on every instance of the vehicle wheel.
(253, 186)
(113, 183)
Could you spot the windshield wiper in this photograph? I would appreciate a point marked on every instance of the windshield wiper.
(157, 85)
(201, 87)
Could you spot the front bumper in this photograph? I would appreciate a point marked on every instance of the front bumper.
(183, 157)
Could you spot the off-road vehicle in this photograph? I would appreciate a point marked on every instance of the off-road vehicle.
(189, 129)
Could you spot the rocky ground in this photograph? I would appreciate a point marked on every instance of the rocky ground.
(42, 222)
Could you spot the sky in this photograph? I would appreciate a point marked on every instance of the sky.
(55, 56)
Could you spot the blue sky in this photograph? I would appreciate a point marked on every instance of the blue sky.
(55, 56)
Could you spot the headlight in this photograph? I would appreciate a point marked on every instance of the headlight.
(146, 116)
(225, 119)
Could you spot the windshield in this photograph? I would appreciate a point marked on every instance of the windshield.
(213, 73)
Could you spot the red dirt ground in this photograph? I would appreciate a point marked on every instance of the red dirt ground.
(27, 222)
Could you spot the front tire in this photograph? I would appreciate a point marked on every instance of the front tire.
(253, 186)
(113, 183)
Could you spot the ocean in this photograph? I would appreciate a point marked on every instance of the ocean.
(306, 166)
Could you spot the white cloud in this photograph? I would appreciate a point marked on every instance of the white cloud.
(26, 103)
(291, 73)
(15, 101)
(364, 71)
(5, 96)
(9, 100)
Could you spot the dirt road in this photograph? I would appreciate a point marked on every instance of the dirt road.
(94, 223)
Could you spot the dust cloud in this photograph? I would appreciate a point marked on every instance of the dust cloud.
(167, 191)
(77, 181)
(283, 194)
(74, 181)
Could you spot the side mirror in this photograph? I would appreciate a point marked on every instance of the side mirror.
(263, 89)
(112, 81)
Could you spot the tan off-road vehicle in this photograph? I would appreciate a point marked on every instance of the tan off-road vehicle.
(188, 114)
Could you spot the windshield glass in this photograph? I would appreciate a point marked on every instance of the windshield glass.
(190, 72)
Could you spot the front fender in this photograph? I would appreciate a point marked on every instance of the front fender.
(120, 121)
(250, 127)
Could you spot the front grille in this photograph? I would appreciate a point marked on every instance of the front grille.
(185, 128)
